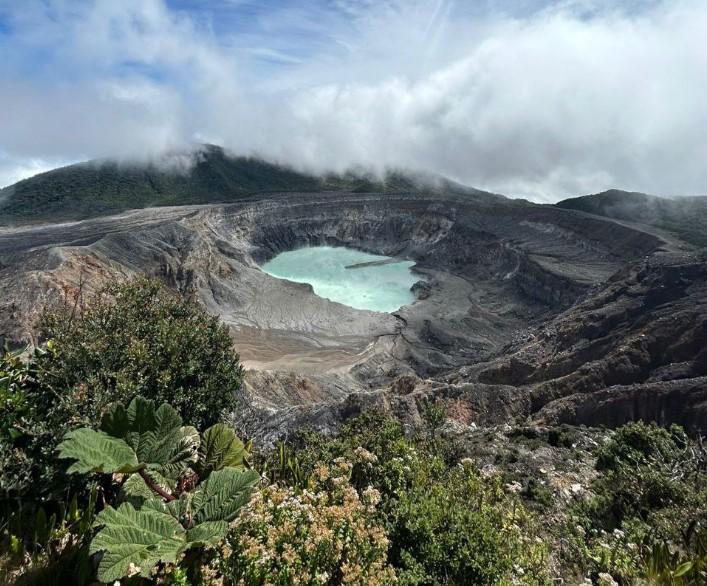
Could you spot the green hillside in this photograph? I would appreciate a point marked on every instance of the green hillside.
(685, 217)
(104, 187)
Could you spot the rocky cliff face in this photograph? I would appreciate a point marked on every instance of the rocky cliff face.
(522, 310)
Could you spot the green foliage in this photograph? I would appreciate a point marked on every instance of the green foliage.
(687, 566)
(47, 544)
(117, 343)
(561, 437)
(19, 421)
(639, 444)
(284, 466)
(647, 518)
(14, 376)
(220, 496)
(137, 338)
(636, 554)
(133, 439)
(434, 415)
(460, 531)
(156, 435)
(536, 491)
(172, 507)
(129, 339)
(135, 541)
(220, 448)
(644, 467)
(96, 451)
(361, 506)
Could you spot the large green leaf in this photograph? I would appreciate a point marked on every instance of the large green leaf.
(96, 451)
(206, 534)
(180, 508)
(222, 494)
(220, 448)
(683, 569)
(140, 537)
(156, 435)
(183, 452)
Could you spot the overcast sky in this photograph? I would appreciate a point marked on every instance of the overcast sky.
(533, 98)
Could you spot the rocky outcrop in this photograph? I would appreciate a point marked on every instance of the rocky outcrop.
(682, 401)
(635, 348)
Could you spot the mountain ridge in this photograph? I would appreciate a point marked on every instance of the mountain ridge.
(212, 175)
(683, 216)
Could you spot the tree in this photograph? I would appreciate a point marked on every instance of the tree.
(138, 338)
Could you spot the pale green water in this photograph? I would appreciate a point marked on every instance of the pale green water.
(382, 288)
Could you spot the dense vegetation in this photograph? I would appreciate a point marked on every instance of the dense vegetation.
(104, 187)
(126, 340)
(116, 465)
(685, 217)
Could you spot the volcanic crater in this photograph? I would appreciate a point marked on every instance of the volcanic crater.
(521, 310)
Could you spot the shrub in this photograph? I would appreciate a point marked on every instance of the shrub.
(561, 437)
(465, 530)
(663, 563)
(47, 544)
(596, 551)
(536, 491)
(446, 524)
(639, 444)
(645, 468)
(14, 375)
(325, 536)
(15, 378)
(137, 338)
(647, 518)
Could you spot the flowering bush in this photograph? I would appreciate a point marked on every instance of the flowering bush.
(598, 552)
(446, 523)
(327, 535)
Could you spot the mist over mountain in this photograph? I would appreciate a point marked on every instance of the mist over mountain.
(533, 98)
(685, 217)
(208, 174)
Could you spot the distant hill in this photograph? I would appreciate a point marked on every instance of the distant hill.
(685, 217)
(99, 188)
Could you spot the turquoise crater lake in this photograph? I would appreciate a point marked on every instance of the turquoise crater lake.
(351, 277)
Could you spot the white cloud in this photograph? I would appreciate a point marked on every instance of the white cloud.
(571, 99)
(12, 170)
